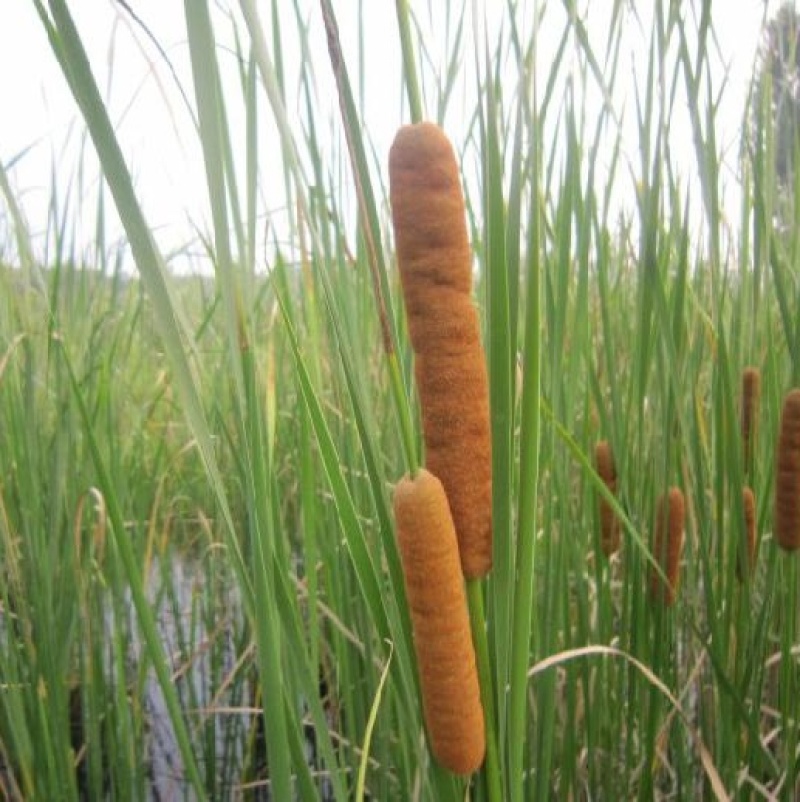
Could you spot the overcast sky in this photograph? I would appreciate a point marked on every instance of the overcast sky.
(41, 134)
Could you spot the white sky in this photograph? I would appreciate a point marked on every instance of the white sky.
(163, 152)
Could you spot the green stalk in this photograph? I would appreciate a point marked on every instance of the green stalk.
(409, 62)
(788, 670)
(522, 612)
(403, 413)
(477, 619)
(370, 227)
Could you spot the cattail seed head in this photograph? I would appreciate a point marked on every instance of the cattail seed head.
(668, 546)
(787, 475)
(609, 523)
(749, 508)
(442, 639)
(434, 260)
(751, 388)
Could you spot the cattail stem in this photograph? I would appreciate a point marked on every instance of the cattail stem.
(404, 414)
(477, 619)
(787, 695)
(409, 62)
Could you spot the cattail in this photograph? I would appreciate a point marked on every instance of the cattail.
(751, 385)
(434, 258)
(787, 475)
(749, 507)
(609, 523)
(667, 547)
(445, 654)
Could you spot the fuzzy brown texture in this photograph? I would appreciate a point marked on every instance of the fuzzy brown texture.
(455, 423)
(667, 547)
(751, 388)
(428, 209)
(609, 523)
(749, 507)
(787, 475)
(434, 259)
(444, 321)
(437, 600)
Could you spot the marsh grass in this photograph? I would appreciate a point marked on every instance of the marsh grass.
(253, 424)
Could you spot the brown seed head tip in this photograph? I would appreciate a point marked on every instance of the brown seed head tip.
(419, 144)
(442, 639)
(668, 546)
(751, 384)
(604, 460)
(787, 475)
(428, 214)
(609, 523)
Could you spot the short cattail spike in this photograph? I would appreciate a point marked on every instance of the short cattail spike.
(609, 523)
(442, 639)
(435, 262)
(751, 389)
(787, 475)
(749, 509)
(668, 547)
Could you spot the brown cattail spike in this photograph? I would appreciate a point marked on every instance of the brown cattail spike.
(435, 262)
(667, 547)
(787, 475)
(749, 507)
(445, 654)
(751, 386)
(609, 523)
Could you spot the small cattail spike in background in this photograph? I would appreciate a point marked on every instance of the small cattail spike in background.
(668, 547)
(749, 508)
(442, 639)
(751, 386)
(787, 475)
(609, 523)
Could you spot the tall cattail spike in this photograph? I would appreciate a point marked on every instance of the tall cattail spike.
(435, 263)
(442, 639)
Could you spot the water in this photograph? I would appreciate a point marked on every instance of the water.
(209, 653)
(209, 683)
